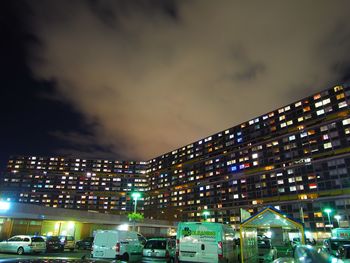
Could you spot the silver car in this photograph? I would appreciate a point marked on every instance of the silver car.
(23, 244)
(159, 250)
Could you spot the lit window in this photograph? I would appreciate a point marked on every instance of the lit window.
(297, 104)
(312, 186)
(327, 145)
(317, 96)
(292, 188)
(318, 214)
(326, 101)
(346, 122)
(318, 104)
(340, 96)
(319, 112)
(342, 104)
(338, 88)
(307, 108)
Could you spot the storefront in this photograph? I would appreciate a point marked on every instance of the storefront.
(25, 219)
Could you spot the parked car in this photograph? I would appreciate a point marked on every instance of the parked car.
(23, 244)
(159, 250)
(267, 253)
(344, 253)
(85, 243)
(118, 244)
(68, 242)
(53, 243)
(309, 254)
(331, 245)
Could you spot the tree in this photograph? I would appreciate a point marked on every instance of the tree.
(135, 217)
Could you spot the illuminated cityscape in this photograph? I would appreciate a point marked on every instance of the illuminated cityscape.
(295, 158)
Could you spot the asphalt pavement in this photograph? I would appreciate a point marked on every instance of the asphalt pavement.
(77, 254)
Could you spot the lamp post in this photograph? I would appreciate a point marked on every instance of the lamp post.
(135, 196)
(205, 214)
(337, 217)
(328, 211)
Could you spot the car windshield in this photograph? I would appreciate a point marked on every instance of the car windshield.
(69, 238)
(53, 238)
(37, 239)
(336, 243)
(156, 244)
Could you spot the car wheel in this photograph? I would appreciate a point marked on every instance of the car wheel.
(20, 251)
(126, 257)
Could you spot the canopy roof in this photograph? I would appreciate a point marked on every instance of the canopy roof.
(271, 217)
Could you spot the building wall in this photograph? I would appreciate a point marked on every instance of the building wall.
(10, 227)
(296, 156)
(97, 185)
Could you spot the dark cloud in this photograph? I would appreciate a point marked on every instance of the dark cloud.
(155, 75)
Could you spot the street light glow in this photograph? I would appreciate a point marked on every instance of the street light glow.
(4, 206)
(337, 217)
(206, 213)
(136, 195)
(328, 210)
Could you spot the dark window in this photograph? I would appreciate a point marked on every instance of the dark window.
(53, 238)
(37, 239)
(155, 244)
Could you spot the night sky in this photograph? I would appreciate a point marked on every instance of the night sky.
(134, 79)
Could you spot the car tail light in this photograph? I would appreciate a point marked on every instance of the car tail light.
(30, 245)
(177, 247)
(220, 253)
(117, 247)
(167, 255)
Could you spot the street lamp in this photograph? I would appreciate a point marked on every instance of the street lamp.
(135, 196)
(328, 211)
(206, 214)
(337, 217)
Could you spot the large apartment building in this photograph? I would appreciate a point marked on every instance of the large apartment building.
(296, 158)
(95, 185)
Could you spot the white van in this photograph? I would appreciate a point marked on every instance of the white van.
(118, 244)
(206, 242)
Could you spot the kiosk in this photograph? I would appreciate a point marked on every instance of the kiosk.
(272, 225)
